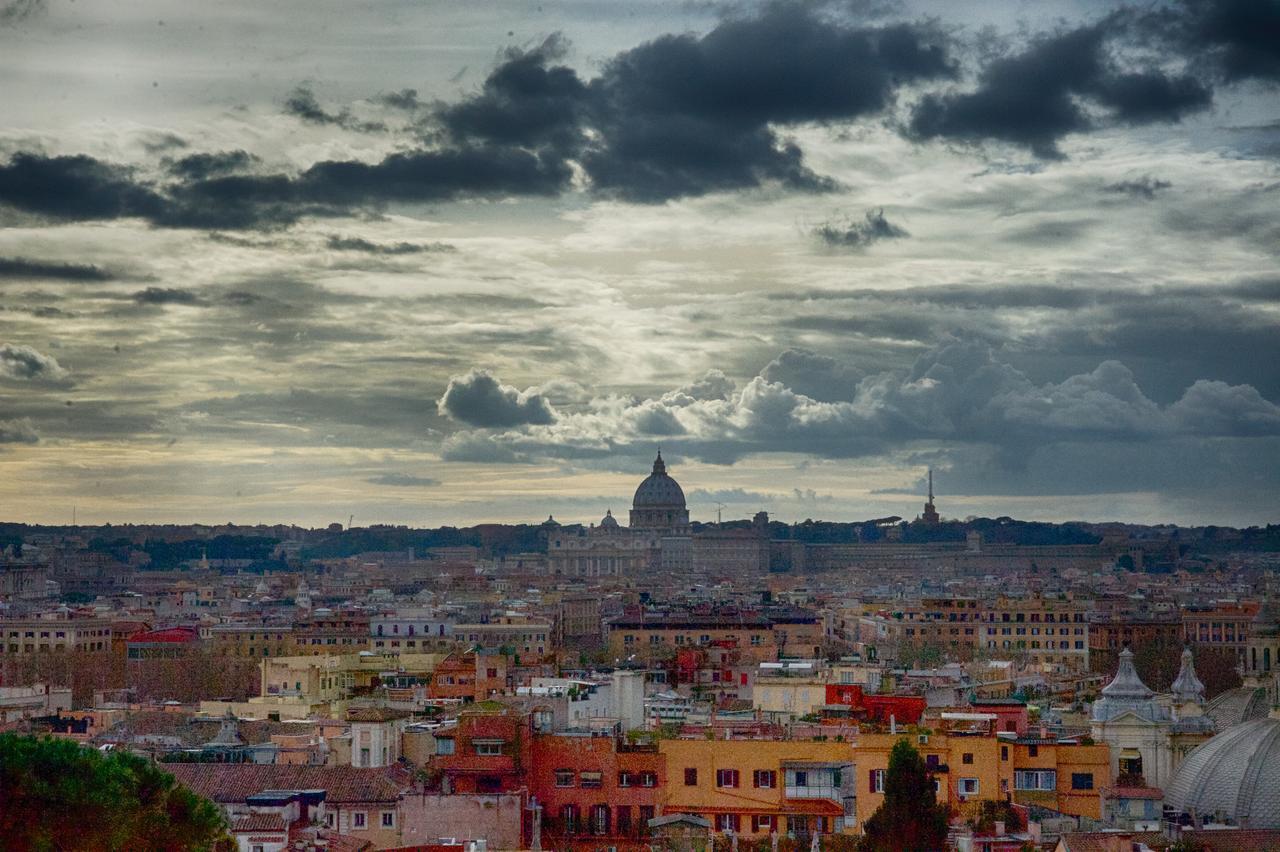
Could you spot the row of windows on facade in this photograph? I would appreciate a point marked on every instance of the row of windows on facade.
(1023, 779)
(360, 819)
(595, 780)
(1004, 631)
(31, 647)
(681, 639)
(598, 821)
(1049, 618)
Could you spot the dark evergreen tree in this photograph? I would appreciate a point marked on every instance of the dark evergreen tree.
(60, 795)
(910, 818)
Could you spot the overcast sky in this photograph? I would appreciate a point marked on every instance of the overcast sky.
(440, 262)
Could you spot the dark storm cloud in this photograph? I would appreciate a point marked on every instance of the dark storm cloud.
(1052, 232)
(1054, 87)
(75, 188)
(23, 268)
(206, 165)
(478, 399)
(339, 243)
(403, 480)
(302, 103)
(858, 234)
(686, 115)
(83, 188)
(1144, 187)
(1240, 38)
(167, 296)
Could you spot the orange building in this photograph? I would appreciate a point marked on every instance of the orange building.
(971, 763)
(754, 787)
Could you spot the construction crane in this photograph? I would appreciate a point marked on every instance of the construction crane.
(719, 507)
(351, 519)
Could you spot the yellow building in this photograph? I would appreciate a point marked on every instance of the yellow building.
(971, 767)
(791, 696)
(754, 787)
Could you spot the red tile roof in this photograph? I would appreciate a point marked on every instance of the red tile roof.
(1111, 841)
(235, 782)
(1233, 840)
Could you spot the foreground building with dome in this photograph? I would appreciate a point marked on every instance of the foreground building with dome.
(658, 537)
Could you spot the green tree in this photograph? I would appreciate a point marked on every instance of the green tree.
(59, 795)
(910, 818)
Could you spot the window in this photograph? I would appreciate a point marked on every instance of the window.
(763, 824)
(877, 780)
(967, 758)
(764, 778)
(726, 822)
(690, 776)
(569, 818)
(599, 819)
(726, 778)
(624, 819)
(564, 777)
(1035, 779)
(1033, 751)
(968, 786)
(359, 819)
(1081, 780)
(258, 847)
(591, 780)
(488, 748)
(646, 814)
(648, 779)
(1004, 752)
(444, 745)
(388, 819)
(328, 820)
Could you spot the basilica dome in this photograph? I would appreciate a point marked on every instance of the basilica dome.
(658, 489)
(1232, 778)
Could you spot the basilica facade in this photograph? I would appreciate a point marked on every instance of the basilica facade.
(658, 536)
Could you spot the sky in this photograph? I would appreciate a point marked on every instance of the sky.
(440, 263)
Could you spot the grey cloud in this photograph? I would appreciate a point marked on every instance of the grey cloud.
(14, 12)
(207, 165)
(1144, 187)
(24, 268)
(1037, 96)
(28, 364)
(478, 399)
(302, 103)
(19, 431)
(855, 234)
(957, 392)
(167, 296)
(814, 375)
(340, 243)
(729, 496)
(406, 99)
(403, 480)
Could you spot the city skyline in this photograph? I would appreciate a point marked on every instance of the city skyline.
(431, 264)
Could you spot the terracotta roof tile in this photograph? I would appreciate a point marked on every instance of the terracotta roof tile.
(237, 781)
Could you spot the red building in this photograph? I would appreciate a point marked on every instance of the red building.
(1010, 713)
(596, 790)
(902, 709)
(489, 751)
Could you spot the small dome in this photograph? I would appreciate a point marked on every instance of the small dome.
(1234, 777)
(658, 489)
(609, 522)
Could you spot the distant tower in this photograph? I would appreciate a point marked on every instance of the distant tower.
(930, 515)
